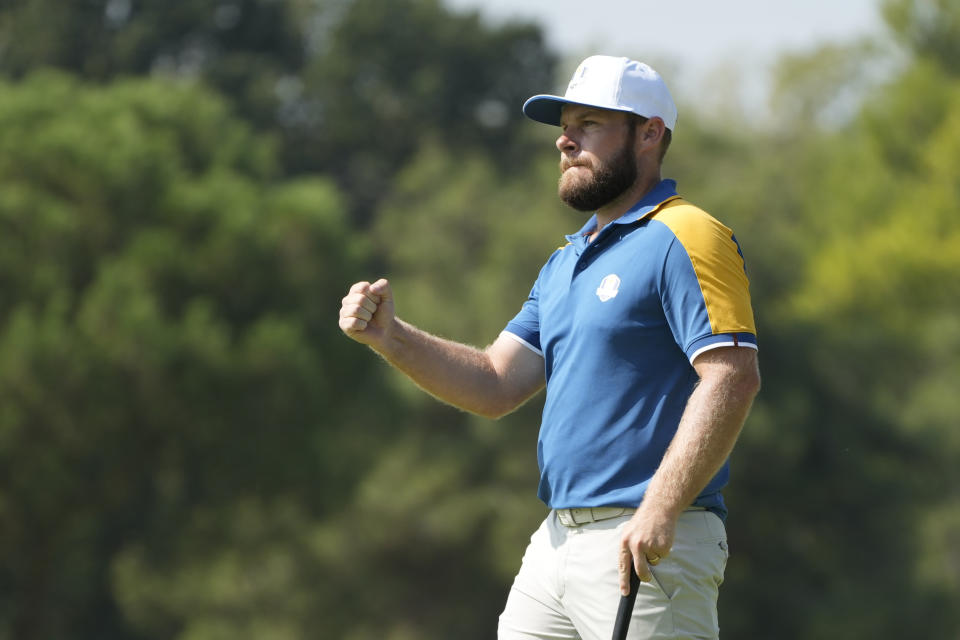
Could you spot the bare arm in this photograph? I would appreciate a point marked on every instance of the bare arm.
(491, 382)
(711, 423)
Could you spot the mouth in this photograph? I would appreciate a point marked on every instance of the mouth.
(566, 166)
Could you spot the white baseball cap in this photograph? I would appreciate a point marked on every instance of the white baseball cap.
(607, 82)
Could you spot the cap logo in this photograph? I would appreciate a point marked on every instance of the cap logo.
(609, 287)
(577, 77)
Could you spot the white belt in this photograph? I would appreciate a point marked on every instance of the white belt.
(579, 516)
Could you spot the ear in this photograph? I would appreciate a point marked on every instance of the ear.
(651, 132)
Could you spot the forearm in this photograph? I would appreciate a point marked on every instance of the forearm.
(708, 430)
(458, 374)
(489, 382)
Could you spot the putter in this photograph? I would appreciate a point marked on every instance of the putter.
(626, 607)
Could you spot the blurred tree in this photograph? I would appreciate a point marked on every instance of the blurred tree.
(244, 48)
(99, 39)
(928, 28)
(883, 288)
(392, 74)
(824, 88)
(351, 87)
(166, 348)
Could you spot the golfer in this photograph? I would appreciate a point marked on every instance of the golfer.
(642, 331)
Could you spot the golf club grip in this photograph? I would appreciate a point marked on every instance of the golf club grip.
(626, 607)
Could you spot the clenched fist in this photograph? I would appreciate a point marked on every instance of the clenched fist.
(366, 312)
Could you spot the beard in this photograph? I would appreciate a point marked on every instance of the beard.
(608, 182)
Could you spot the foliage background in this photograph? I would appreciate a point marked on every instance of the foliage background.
(189, 448)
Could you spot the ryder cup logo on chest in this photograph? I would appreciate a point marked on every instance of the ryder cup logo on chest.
(609, 287)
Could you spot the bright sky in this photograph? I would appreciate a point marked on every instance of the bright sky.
(689, 41)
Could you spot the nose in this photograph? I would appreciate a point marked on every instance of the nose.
(566, 144)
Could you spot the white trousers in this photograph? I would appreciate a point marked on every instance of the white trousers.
(568, 586)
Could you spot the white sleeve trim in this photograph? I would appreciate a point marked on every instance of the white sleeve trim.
(714, 345)
(523, 342)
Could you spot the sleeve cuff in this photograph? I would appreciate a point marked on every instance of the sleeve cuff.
(528, 345)
(747, 340)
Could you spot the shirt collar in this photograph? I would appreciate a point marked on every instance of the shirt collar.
(665, 191)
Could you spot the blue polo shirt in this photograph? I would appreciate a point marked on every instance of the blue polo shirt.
(618, 322)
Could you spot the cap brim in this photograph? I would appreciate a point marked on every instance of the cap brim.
(547, 109)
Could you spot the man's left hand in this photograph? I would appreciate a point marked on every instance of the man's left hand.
(646, 539)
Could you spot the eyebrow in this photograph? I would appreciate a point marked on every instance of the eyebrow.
(589, 113)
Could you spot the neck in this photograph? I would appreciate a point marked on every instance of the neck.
(616, 208)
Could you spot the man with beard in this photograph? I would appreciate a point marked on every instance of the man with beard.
(641, 329)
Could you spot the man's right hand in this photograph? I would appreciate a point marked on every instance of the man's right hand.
(366, 313)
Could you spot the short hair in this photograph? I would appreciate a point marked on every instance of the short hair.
(638, 120)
